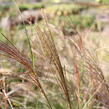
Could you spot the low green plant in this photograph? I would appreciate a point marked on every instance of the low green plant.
(23, 7)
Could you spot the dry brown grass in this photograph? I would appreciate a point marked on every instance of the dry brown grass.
(65, 62)
(15, 54)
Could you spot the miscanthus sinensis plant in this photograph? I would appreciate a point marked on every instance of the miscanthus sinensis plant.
(66, 71)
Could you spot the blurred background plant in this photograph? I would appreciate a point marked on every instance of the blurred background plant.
(61, 51)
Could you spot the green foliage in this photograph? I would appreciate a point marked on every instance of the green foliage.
(31, 6)
(58, 106)
(4, 7)
(37, 104)
(79, 21)
(103, 1)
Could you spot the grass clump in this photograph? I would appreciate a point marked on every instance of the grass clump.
(64, 9)
(66, 66)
